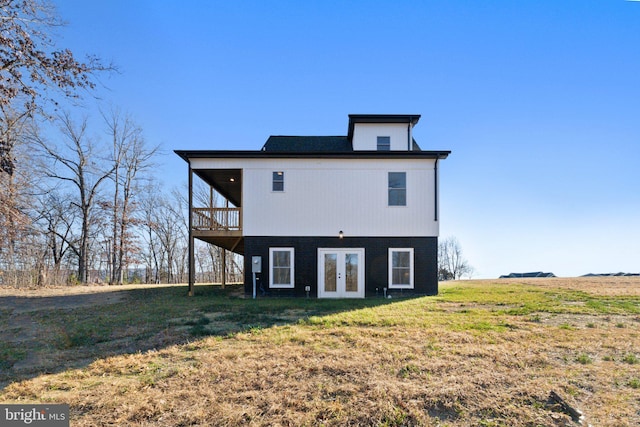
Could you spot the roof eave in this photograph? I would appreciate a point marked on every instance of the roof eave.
(380, 118)
(186, 155)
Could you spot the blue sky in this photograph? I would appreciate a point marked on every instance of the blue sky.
(539, 102)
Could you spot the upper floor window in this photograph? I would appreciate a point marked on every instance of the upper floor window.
(384, 143)
(278, 181)
(397, 189)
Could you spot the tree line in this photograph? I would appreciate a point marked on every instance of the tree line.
(76, 208)
(79, 209)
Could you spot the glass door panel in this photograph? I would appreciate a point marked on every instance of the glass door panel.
(330, 271)
(351, 272)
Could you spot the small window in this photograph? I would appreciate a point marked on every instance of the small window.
(397, 189)
(281, 268)
(384, 143)
(278, 181)
(401, 268)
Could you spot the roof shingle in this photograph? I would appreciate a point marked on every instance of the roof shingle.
(308, 144)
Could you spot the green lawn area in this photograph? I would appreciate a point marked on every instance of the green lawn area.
(484, 353)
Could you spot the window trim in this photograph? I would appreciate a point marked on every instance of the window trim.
(291, 268)
(389, 188)
(274, 175)
(390, 283)
(386, 147)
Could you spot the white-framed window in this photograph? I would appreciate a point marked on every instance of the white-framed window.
(397, 189)
(281, 271)
(401, 268)
(384, 143)
(277, 181)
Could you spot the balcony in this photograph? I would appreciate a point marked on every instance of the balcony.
(217, 219)
(219, 226)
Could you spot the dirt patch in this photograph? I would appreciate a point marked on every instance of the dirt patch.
(20, 304)
(50, 291)
(23, 314)
(19, 326)
(582, 321)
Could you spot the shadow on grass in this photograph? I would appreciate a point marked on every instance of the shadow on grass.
(52, 334)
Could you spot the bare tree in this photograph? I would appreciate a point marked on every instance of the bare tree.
(73, 161)
(451, 262)
(148, 220)
(164, 233)
(131, 159)
(58, 220)
(16, 196)
(30, 65)
(30, 68)
(179, 207)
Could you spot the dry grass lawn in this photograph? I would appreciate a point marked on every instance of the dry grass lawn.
(482, 353)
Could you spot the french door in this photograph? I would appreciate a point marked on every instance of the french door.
(341, 273)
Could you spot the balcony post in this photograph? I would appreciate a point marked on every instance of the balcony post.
(224, 251)
(191, 239)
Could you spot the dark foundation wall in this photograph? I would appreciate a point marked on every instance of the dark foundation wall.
(376, 262)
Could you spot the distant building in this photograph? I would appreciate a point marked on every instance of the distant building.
(611, 274)
(532, 274)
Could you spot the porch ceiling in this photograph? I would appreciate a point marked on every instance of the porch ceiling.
(227, 182)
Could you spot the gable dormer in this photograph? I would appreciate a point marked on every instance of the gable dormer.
(382, 132)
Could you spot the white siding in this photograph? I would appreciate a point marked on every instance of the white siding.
(324, 196)
(365, 135)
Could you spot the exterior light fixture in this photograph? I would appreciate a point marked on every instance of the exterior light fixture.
(340, 234)
(232, 180)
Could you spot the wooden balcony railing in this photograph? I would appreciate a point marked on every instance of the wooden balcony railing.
(217, 219)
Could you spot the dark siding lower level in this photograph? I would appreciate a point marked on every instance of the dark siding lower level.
(376, 262)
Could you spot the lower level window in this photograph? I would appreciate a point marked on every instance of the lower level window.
(401, 268)
(281, 267)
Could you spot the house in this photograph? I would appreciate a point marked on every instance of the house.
(619, 274)
(526, 275)
(335, 216)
